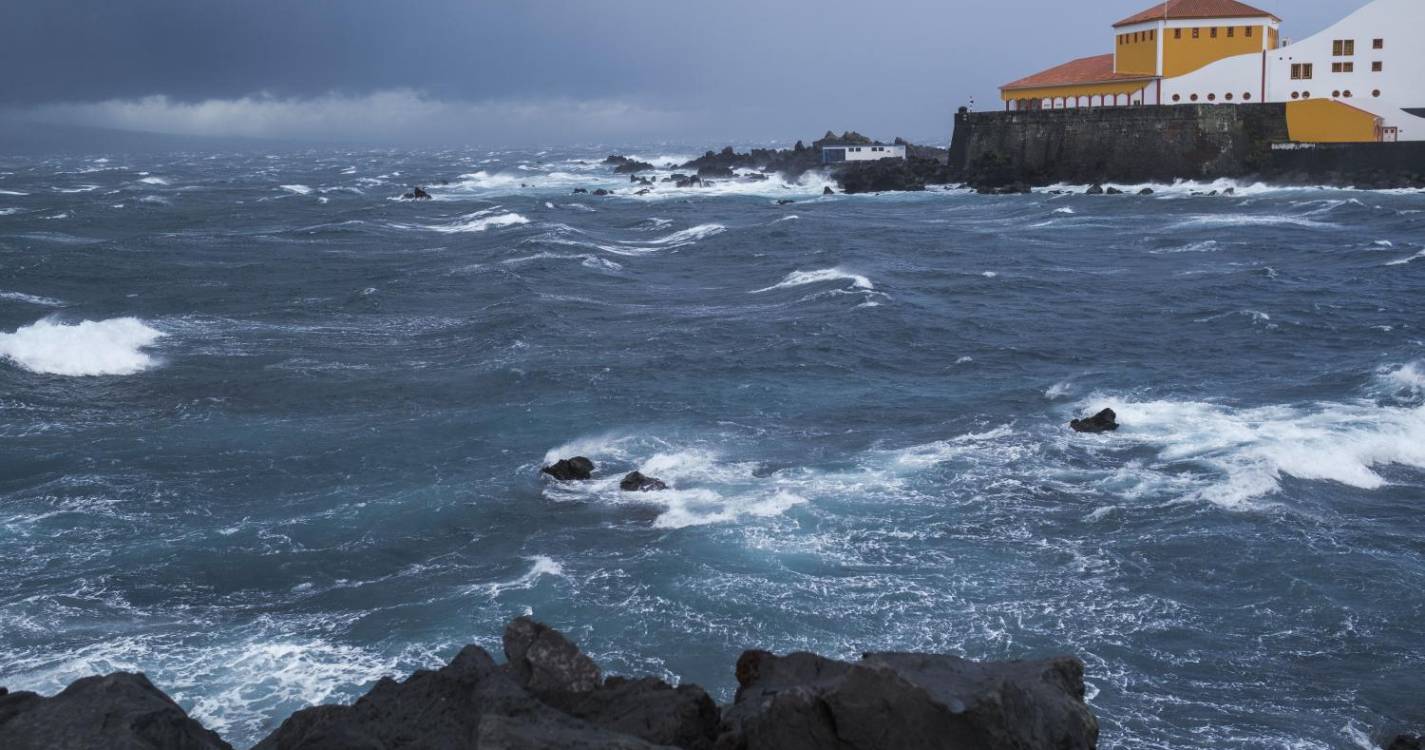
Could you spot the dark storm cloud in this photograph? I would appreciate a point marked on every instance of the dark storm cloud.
(543, 70)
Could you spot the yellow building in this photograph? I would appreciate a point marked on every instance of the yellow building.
(1169, 40)
(1227, 52)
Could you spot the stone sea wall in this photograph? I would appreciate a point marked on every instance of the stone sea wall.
(1165, 144)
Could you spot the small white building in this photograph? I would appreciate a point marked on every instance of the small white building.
(839, 153)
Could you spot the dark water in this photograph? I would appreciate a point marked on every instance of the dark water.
(296, 445)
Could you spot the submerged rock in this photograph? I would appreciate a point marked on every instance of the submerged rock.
(637, 482)
(573, 469)
(121, 710)
(827, 191)
(1113, 191)
(579, 191)
(602, 192)
(1146, 191)
(896, 700)
(1104, 421)
(416, 194)
(1094, 189)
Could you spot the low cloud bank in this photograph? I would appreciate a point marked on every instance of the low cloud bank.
(399, 115)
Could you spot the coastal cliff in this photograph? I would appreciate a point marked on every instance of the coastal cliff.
(1165, 144)
(548, 695)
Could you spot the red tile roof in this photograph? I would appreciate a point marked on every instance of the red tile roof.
(1097, 69)
(1196, 9)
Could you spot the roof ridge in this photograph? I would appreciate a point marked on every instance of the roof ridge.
(1196, 9)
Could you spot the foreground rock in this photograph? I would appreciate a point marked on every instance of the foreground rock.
(1407, 742)
(121, 711)
(574, 469)
(893, 700)
(549, 695)
(637, 482)
(1104, 421)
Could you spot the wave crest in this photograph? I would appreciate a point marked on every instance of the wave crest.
(105, 347)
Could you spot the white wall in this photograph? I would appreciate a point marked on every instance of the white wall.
(1401, 23)
(1240, 76)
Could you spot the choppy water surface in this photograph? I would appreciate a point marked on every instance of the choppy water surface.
(270, 433)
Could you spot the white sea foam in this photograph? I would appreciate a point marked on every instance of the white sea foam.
(106, 347)
(541, 566)
(31, 299)
(1064, 210)
(297, 189)
(1059, 390)
(12, 192)
(80, 189)
(704, 487)
(1248, 220)
(802, 278)
(479, 221)
(1402, 261)
(9, 211)
(1205, 246)
(1247, 451)
(154, 181)
(1404, 382)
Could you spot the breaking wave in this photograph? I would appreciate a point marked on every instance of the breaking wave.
(802, 278)
(106, 347)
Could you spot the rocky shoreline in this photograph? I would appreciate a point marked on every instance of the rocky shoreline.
(548, 695)
(922, 167)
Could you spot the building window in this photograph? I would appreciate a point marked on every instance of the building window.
(1343, 47)
(1177, 33)
(1306, 95)
(1249, 32)
(1376, 93)
(1343, 67)
(1247, 97)
(1196, 33)
(1229, 96)
(1214, 32)
(1378, 44)
(1296, 94)
(1212, 97)
(1346, 93)
(1377, 66)
(1301, 71)
(1231, 32)
(1193, 97)
(1177, 97)
(1153, 35)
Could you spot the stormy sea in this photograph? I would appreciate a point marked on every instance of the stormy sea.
(271, 432)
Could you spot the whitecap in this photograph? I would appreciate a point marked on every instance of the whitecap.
(106, 347)
(989, 274)
(541, 566)
(12, 192)
(1065, 210)
(31, 299)
(297, 189)
(479, 221)
(802, 278)
(154, 181)
(1247, 451)
(1404, 261)
(1059, 390)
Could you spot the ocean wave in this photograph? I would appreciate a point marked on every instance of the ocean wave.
(105, 347)
(1402, 261)
(1249, 220)
(479, 221)
(802, 278)
(297, 189)
(540, 567)
(1247, 451)
(704, 486)
(566, 235)
(154, 181)
(12, 192)
(31, 299)
(1205, 246)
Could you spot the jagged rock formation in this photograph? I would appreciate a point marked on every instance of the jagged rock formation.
(121, 711)
(551, 696)
(1104, 421)
(573, 469)
(893, 700)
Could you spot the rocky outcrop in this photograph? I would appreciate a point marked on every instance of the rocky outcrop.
(885, 175)
(895, 700)
(635, 481)
(121, 711)
(549, 695)
(1104, 421)
(1406, 742)
(416, 194)
(573, 469)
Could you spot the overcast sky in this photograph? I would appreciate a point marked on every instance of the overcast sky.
(534, 72)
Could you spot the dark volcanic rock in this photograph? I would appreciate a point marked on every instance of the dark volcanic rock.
(1094, 190)
(543, 660)
(637, 482)
(716, 171)
(1146, 191)
(469, 704)
(891, 174)
(602, 192)
(649, 709)
(417, 194)
(1113, 191)
(1104, 421)
(121, 711)
(630, 166)
(827, 191)
(579, 191)
(806, 702)
(1407, 742)
(577, 468)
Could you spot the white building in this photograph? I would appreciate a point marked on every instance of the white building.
(838, 153)
(1361, 80)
